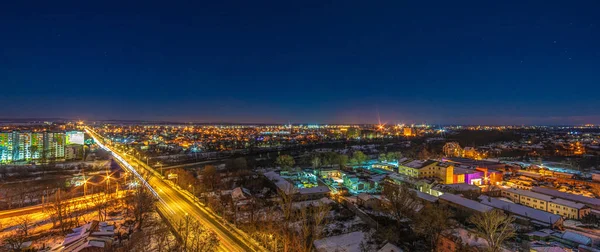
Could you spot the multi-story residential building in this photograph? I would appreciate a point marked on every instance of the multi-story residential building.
(26, 146)
(6, 146)
(54, 144)
(37, 146)
(562, 207)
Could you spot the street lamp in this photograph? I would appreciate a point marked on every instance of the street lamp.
(161, 168)
(85, 187)
(193, 189)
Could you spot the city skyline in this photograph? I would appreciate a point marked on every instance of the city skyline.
(465, 63)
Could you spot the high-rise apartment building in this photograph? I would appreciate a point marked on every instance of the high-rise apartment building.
(26, 146)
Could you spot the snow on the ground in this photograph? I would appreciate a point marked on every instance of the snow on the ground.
(347, 242)
(42, 223)
(344, 226)
(303, 204)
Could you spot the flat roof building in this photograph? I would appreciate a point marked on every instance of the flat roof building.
(537, 217)
(566, 208)
(590, 202)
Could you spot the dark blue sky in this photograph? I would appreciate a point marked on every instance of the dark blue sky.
(477, 62)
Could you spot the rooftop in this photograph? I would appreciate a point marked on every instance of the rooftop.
(528, 212)
(563, 195)
(459, 170)
(471, 204)
(544, 197)
(419, 163)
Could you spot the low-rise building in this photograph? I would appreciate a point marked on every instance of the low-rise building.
(460, 239)
(93, 236)
(590, 202)
(443, 171)
(566, 208)
(467, 176)
(463, 204)
(530, 215)
(305, 193)
(413, 168)
(368, 201)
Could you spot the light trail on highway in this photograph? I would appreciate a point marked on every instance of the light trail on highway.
(176, 204)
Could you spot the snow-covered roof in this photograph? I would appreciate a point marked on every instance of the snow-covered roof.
(91, 234)
(343, 243)
(365, 196)
(547, 249)
(316, 189)
(544, 197)
(471, 204)
(303, 204)
(239, 193)
(280, 182)
(419, 163)
(458, 187)
(569, 196)
(520, 210)
(574, 237)
(388, 247)
(427, 197)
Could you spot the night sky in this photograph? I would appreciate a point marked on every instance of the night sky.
(478, 62)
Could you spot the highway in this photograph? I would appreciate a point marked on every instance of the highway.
(174, 204)
(39, 208)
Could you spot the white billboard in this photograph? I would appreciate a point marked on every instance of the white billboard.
(75, 137)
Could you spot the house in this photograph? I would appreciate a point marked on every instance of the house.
(240, 193)
(306, 193)
(368, 201)
(93, 236)
(313, 193)
(459, 238)
(385, 166)
(330, 173)
(388, 247)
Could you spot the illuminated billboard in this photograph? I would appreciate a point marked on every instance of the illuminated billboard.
(75, 137)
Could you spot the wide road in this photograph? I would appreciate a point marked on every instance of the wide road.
(39, 208)
(175, 205)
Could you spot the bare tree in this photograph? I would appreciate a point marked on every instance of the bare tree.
(143, 203)
(210, 176)
(403, 202)
(15, 240)
(59, 211)
(312, 220)
(99, 202)
(286, 197)
(24, 223)
(431, 222)
(161, 236)
(494, 226)
(196, 237)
